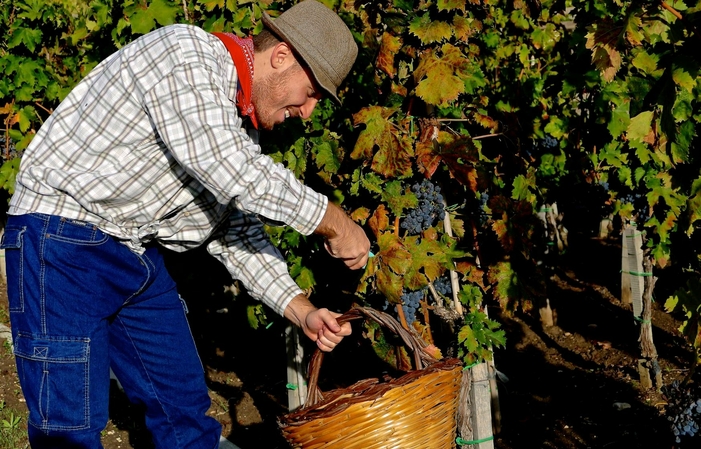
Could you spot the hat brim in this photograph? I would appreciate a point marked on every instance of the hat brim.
(300, 47)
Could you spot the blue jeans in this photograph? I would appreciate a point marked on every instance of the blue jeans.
(81, 302)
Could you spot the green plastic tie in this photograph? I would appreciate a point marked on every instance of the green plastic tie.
(291, 387)
(269, 324)
(471, 366)
(637, 273)
(462, 442)
(637, 318)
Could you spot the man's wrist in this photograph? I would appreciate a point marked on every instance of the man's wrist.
(298, 309)
(332, 222)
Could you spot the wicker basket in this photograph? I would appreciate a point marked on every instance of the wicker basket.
(415, 411)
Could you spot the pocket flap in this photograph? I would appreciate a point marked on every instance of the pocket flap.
(12, 238)
(51, 349)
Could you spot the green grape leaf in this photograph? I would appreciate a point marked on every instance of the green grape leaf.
(328, 156)
(620, 120)
(27, 36)
(646, 63)
(8, 174)
(398, 197)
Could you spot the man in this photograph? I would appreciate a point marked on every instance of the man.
(149, 151)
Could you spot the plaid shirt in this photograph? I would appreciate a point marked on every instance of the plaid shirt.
(150, 146)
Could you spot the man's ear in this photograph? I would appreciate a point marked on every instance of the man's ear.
(282, 56)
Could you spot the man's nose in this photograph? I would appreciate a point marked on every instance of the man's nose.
(305, 111)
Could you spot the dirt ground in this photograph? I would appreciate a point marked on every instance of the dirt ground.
(570, 386)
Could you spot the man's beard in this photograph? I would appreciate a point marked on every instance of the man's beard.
(269, 95)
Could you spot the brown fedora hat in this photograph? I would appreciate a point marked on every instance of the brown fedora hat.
(320, 38)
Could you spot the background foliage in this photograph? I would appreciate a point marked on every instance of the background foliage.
(506, 106)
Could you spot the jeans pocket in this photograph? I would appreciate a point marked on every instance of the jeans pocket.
(53, 372)
(12, 244)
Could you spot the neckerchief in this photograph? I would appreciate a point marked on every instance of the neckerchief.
(241, 51)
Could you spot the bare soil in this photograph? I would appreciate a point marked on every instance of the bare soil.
(573, 385)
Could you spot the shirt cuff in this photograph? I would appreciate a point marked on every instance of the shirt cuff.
(311, 210)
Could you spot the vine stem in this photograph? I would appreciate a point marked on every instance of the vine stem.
(402, 318)
(454, 282)
(669, 8)
(187, 18)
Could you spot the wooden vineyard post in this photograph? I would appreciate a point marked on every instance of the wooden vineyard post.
(637, 285)
(632, 284)
(478, 392)
(296, 378)
(545, 213)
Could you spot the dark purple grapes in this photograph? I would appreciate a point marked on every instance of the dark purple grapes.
(429, 210)
(410, 304)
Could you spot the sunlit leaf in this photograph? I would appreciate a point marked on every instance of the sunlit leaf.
(640, 126)
(430, 31)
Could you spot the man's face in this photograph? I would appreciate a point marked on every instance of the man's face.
(287, 94)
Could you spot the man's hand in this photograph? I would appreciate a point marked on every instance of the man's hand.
(345, 240)
(319, 325)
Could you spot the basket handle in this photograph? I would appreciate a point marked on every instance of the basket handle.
(421, 357)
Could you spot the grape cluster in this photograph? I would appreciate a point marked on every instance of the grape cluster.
(7, 150)
(542, 146)
(410, 304)
(430, 208)
(549, 143)
(683, 411)
(443, 286)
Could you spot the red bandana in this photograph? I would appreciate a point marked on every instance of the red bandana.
(241, 51)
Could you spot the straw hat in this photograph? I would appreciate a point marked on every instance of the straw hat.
(320, 38)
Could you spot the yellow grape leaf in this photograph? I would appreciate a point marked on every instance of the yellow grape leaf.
(211, 4)
(439, 85)
(450, 5)
(376, 132)
(360, 214)
(427, 259)
(460, 155)
(683, 79)
(393, 159)
(393, 254)
(464, 28)
(640, 126)
(389, 284)
(393, 262)
(430, 31)
(427, 158)
(389, 46)
(379, 221)
(434, 352)
(633, 34)
(602, 40)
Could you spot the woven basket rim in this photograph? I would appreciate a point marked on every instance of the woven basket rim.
(337, 400)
